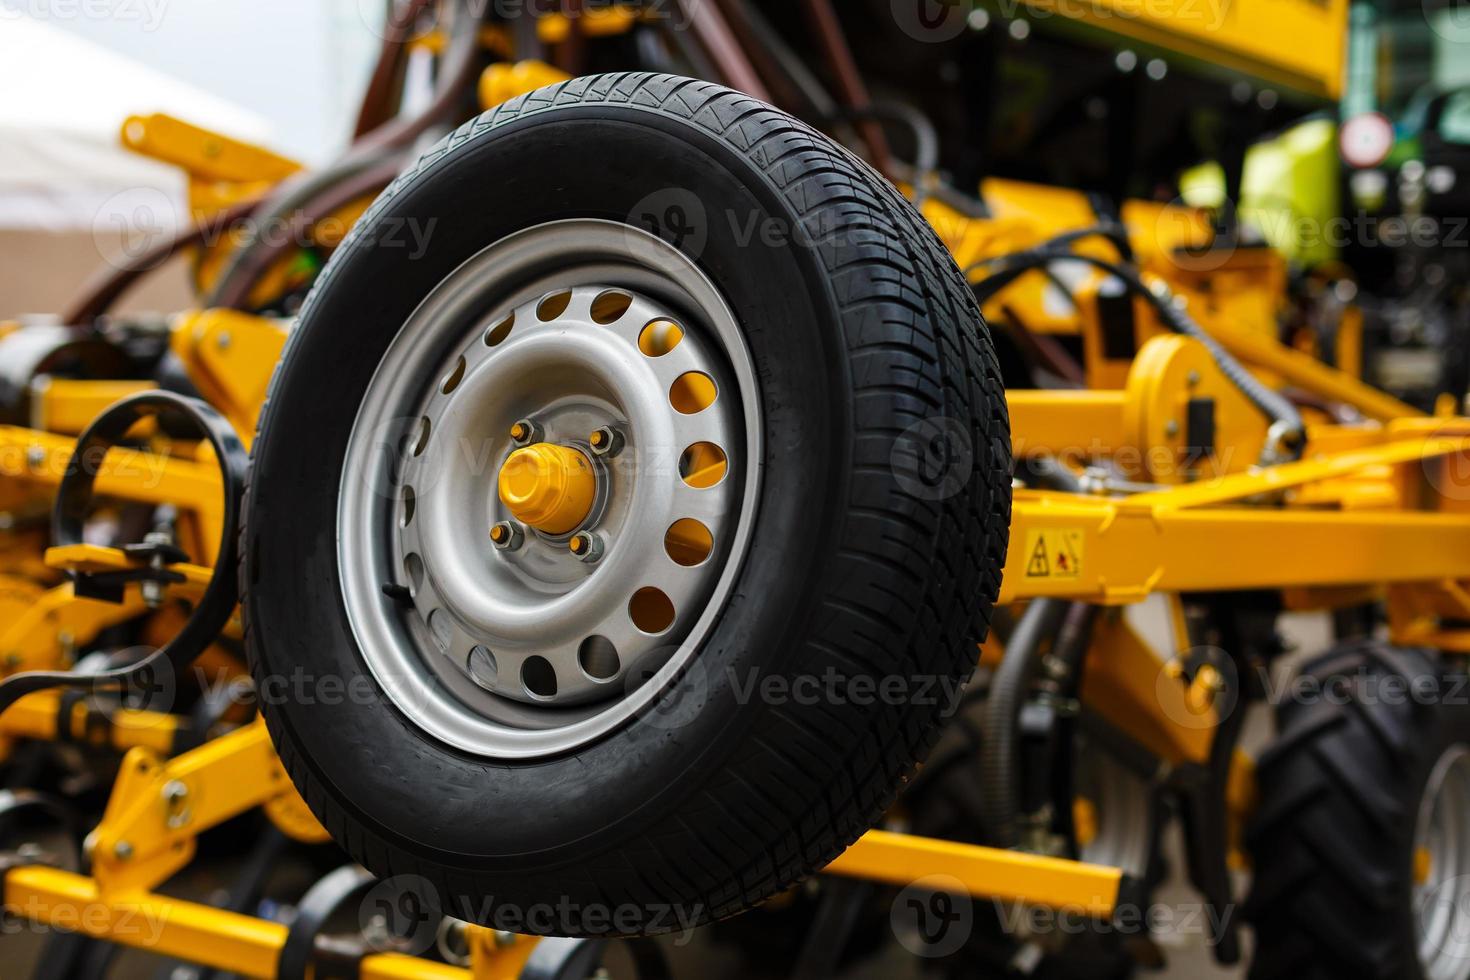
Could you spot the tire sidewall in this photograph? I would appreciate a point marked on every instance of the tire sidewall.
(406, 788)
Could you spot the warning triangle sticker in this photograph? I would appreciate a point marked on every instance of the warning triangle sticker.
(1039, 565)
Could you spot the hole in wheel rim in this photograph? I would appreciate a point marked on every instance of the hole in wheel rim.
(422, 442)
(554, 305)
(651, 610)
(659, 337)
(482, 667)
(688, 542)
(610, 306)
(692, 392)
(497, 334)
(413, 566)
(538, 677)
(439, 628)
(454, 377)
(703, 465)
(410, 504)
(599, 658)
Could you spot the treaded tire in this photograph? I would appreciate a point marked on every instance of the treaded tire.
(858, 337)
(1333, 838)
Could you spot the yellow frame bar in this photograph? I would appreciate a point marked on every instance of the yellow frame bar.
(1189, 538)
(185, 930)
(986, 872)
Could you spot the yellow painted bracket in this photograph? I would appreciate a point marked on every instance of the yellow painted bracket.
(93, 558)
(58, 624)
(222, 170)
(158, 808)
(230, 357)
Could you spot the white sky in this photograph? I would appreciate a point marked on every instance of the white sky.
(300, 64)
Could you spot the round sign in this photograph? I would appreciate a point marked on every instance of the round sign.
(1366, 139)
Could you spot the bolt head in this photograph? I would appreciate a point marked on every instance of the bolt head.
(523, 432)
(586, 546)
(506, 536)
(122, 850)
(606, 441)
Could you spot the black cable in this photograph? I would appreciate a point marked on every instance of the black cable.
(1287, 434)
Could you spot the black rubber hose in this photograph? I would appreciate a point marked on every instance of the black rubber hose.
(1000, 784)
(1288, 431)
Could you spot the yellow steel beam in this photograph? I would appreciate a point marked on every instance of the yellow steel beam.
(170, 927)
(38, 716)
(1123, 554)
(126, 473)
(1309, 374)
(985, 872)
(204, 154)
(1299, 44)
(1241, 486)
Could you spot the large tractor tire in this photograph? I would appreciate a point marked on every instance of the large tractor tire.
(1361, 844)
(630, 498)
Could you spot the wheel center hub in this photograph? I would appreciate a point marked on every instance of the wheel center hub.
(548, 487)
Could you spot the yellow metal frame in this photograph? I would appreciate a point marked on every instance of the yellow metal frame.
(1380, 500)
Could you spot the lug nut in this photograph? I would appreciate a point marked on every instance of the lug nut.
(524, 432)
(586, 545)
(506, 536)
(606, 441)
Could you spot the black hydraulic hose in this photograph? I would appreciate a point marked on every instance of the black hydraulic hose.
(1000, 784)
(1055, 248)
(1287, 434)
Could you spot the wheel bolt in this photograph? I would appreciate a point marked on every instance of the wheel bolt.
(586, 546)
(606, 441)
(524, 432)
(506, 536)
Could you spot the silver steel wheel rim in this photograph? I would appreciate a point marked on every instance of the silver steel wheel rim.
(418, 492)
(1121, 800)
(1442, 899)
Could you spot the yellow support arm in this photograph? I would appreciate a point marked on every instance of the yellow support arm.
(985, 872)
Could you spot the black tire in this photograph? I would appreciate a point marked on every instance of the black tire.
(858, 337)
(1333, 839)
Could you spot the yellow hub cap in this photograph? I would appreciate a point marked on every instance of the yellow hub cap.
(547, 486)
